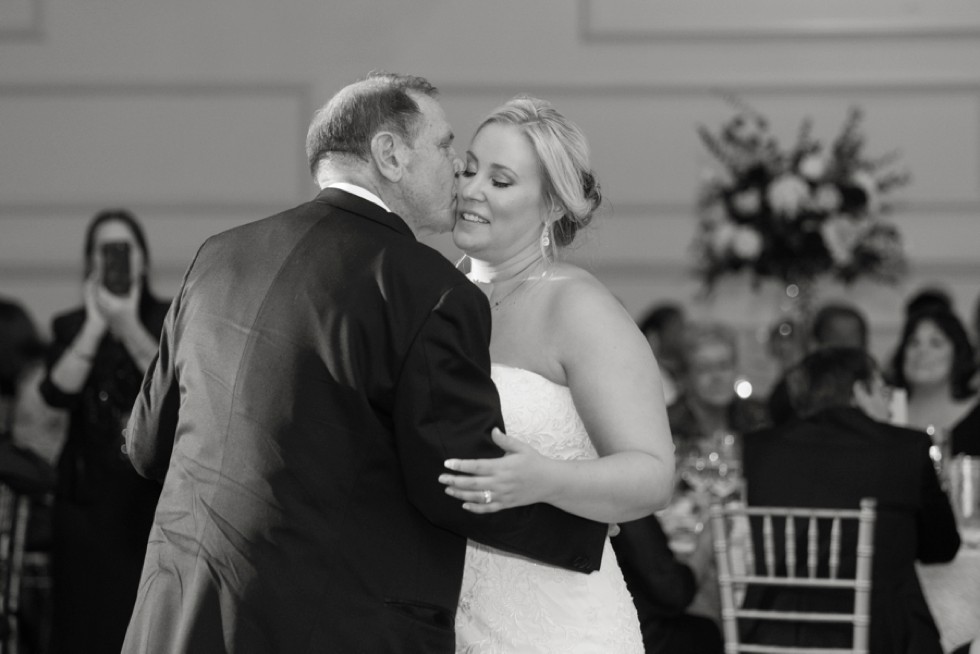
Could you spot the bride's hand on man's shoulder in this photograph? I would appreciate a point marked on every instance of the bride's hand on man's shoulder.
(517, 478)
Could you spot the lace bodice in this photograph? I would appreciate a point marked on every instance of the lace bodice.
(541, 413)
(512, 604)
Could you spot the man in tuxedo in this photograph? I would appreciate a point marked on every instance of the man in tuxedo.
(839, 450)
(315, 371)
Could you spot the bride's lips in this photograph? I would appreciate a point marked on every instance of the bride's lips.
(470, 217)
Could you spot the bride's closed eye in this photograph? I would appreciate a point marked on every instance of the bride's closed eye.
(498, 183)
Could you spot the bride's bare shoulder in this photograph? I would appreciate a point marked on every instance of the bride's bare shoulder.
(576, 290)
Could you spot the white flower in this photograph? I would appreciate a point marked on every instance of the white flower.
(746, 243)
(828, 198)
(721, 238)
(841, 235)
(747, 202)
(787, 194)
(813, 167)
(867, 183)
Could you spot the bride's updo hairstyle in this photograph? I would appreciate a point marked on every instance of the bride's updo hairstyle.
(563, 154)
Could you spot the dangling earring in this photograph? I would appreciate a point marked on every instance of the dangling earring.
(546, 237)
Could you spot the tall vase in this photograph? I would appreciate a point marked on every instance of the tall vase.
(798, 302)
(790, 335)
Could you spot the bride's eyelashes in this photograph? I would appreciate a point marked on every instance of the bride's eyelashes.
(498, 183)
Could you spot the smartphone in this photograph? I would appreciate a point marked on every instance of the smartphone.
(116, 274)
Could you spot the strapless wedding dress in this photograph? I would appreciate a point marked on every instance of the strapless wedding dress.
(512, 604)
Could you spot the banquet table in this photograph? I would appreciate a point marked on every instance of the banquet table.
(953, 593)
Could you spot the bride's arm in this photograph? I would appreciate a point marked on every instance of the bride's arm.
(617, 391)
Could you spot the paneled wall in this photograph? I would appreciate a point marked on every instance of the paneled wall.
(193, 114)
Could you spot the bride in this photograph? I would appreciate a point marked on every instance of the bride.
(579, 388)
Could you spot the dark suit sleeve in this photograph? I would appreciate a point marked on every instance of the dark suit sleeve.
(153, 422)
(659, 583)
(939, 539)
(445, 407)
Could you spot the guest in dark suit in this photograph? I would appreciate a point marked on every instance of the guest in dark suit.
(316, 370)
(663, 588)
(834, 325)
(836, 453)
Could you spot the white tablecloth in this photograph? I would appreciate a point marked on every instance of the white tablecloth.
(953, 592)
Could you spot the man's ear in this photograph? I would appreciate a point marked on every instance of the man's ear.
(388, 156)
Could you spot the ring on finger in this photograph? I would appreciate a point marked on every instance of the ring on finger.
(487, 497)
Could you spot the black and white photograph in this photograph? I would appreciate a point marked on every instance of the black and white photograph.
(454, 327)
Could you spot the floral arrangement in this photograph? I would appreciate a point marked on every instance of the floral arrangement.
(798, 214)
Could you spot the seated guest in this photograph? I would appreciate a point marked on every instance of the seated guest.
(25, 422)
(663, 325)
(21, 361)
(839, 325)
(834, 325)
(935, 362)
(708, 416)
(928, 298)
(20, 346)
(663, 588)
(839, 451)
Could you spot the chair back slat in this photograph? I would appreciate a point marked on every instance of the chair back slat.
(7, 515)
(791, 546)
(14, 515)
(862, 594)
(770, 549)
(811, 548)
(727, 595)
(834, 567)
(825, 569)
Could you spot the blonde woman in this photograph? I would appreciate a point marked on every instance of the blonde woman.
(576, 379)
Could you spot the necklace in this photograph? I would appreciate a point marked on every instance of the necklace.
(497, 302)
(506, 295)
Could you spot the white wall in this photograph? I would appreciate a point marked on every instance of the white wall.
(193, 114)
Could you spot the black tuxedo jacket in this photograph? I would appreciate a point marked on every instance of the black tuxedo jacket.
(315, 370)
(833, 460)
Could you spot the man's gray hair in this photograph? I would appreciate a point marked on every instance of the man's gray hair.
(346, 124)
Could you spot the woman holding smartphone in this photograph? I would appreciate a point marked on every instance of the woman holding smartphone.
(103, 509)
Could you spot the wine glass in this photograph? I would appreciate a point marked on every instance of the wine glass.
(963, 473)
